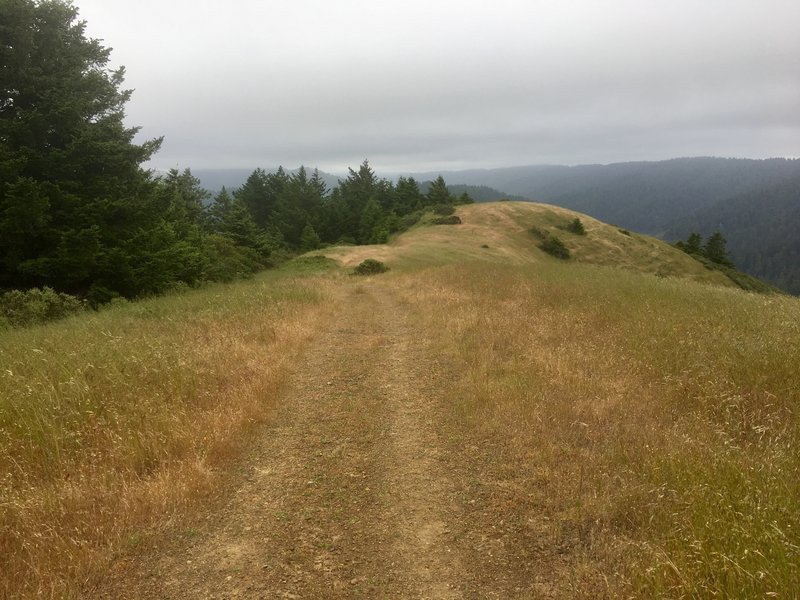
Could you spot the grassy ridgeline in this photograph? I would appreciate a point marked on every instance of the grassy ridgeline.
(110, 421)
(654, 421)
(649, 422)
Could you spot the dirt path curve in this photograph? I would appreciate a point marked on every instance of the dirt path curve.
(347, 493)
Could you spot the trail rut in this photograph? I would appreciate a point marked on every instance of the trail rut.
(346, 494)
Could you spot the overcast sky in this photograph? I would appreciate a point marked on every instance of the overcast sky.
(426, 85)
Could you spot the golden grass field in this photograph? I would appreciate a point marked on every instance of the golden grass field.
(649, 408)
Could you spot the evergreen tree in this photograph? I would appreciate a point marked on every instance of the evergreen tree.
(189, 198)
(77, 211)
(438, 193)
(371, 218)
(716, 251)
(409, 198)
(229, 217)
(309, 240)
(693, 244)
(258, 195)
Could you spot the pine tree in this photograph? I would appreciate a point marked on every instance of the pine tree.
(438, 193)
(77, 211)
(693, 244)
(716, 251)
(309, 240)
(408, 196)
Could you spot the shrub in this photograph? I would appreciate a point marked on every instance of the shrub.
(555, 247)
(575, 226)
(538, 233)
(370, 267)
(451, 220)
(408, 221)
(443, 209)
(37, 305)
(226, 261)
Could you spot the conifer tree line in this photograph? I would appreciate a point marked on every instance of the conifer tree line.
(714, 249)
(79, 213)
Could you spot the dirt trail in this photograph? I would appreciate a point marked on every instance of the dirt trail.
(363, 486)
(346, 495)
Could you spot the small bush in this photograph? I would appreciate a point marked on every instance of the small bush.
(575, 226)
(443, 210)
(451, 220)
(538, 233)
(408, 221)
(624, 231)
(310, 264)
(370, 267)
(555, 247)
(484, 245)
(37, 305)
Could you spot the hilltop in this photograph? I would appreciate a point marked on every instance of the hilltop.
(753, 202)
(501, 232)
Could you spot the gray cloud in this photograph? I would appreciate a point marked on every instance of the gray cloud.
(427, 85)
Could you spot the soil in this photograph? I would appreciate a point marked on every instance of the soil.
(363, 485)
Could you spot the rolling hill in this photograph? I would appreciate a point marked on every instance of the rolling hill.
(668, 198)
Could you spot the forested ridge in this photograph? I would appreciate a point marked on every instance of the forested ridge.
(80, 215)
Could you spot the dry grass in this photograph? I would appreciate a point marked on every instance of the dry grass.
(652, 419)
(114, 422)
(499, 233)
(655, 420)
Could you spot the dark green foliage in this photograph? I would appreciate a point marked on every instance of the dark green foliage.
(554, 247)
(624, 232)
(309, 240)
(37, 305)
(408, 221)
(451, 220)
(438, 193)
(575, 226)
(225, 261)
(310, 264)
(77, 212)
(444, 209)
(714, 255)
(692, 245)
(714, 249)
(541, 234)
(370, 267)
(464, 198)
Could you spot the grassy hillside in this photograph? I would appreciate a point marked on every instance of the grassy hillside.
(627, 414)
(754, 202)
(501, 233)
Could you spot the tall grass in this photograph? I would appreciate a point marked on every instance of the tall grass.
(656, 419)
(111, 421)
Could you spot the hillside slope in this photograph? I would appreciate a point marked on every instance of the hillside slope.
(482, 421)
(500, 232)
(668, 198)
(761, 228)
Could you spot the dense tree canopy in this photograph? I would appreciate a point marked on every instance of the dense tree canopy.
(80, 214)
